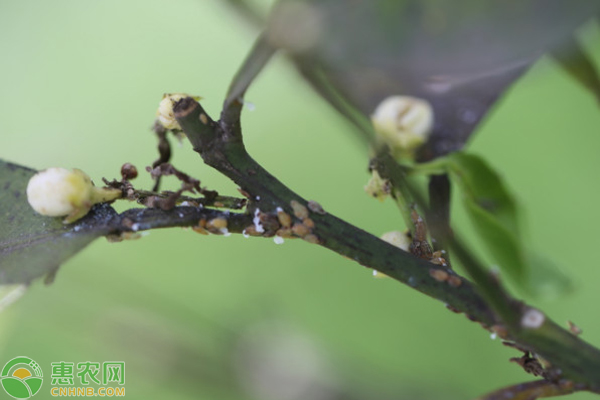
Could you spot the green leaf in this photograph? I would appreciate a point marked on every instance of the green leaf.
(32, 245)
(459, 55)
(546, 279)
(492, 211)
(502, 243)
(495, 215)
(484, 187)
(573, 58)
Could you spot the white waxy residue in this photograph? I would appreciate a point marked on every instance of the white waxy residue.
(256, 220)
(225, 232)
(532, 319)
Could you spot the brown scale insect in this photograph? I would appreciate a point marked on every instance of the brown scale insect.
(200, 227)
(300, 211)
(284, 219)
(420, 247)
(285, 233)
(438, 274)
(310, 238)
(251, 231)
(454, 281)
(216, 224)
(308, 223)
(300, 230)
(315, 207)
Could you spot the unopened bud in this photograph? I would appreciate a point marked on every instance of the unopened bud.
(398, 239)
(58, 192)
(165, 114)
(404, 123)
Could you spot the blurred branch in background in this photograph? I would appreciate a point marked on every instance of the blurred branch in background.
(248, 11)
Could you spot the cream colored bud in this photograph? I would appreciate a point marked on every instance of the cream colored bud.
(404, 123)
(58, 192)
(165, 114)
(377, 187)
(398, 239)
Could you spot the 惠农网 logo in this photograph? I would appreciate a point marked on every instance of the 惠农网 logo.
(21, 377)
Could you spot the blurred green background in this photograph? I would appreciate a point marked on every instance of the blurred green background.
(198, 317)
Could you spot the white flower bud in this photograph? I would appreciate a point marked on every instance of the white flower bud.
(58, 192)
(398, 239)
(404, 123)
(165, 114)
(55, 192)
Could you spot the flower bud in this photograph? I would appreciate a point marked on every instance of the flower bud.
(378, 187)
(165, 114)
(58, 192)
(404, 123)
(398, 239)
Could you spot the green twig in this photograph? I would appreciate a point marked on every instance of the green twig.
(232, 203)
(260, 54)
(137, 220)
(389, 169)
(227, 154)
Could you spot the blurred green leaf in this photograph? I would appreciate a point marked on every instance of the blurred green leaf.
(573, 58)
(32, 245)
(484, 187)
(459, 55)
(495, 215)
(492, 210)
(502, 243)
(546, 279)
